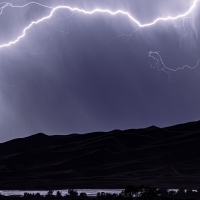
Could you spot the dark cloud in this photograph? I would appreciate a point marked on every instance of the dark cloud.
(82, 73)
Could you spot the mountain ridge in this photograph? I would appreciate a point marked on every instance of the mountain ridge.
(159, 157)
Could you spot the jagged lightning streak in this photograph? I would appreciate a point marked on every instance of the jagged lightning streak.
(90, 13)
(157, 57)
(160, 65)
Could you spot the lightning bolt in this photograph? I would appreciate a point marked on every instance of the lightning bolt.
(164, 68)
(128, 15)
(160, 65)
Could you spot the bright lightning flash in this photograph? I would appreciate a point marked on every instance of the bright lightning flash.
(193, 6)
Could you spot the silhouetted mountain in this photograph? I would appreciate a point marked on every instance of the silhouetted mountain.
(160, 157)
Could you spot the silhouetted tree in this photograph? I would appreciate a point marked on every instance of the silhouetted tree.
(131, 191)
(149, 193)
(189, 192)
(181, 191)
(163, 191)
(83, 195)
(58, 194)
(72, 193)
(38, 195)
(101, 195)
(172, 193)
(98, 195)
(26, 194)
(49, 193)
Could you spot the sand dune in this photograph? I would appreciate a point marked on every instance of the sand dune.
(162, 157)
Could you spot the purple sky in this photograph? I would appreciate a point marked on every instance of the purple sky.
(83, 73)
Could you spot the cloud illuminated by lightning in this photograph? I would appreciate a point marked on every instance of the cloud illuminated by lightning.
(89, 13)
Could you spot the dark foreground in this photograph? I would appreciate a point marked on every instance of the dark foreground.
(130, 193)
(158, 157)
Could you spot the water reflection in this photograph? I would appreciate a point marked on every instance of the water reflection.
(89, 192)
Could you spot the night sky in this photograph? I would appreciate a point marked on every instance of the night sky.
(78, 73)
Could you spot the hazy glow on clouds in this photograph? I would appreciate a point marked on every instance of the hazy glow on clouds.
(81, 73)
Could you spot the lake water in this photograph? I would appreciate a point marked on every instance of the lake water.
(89, 192)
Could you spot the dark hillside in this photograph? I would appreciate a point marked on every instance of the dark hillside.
(160, 157)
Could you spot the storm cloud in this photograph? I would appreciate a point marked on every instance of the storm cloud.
(77, 73)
